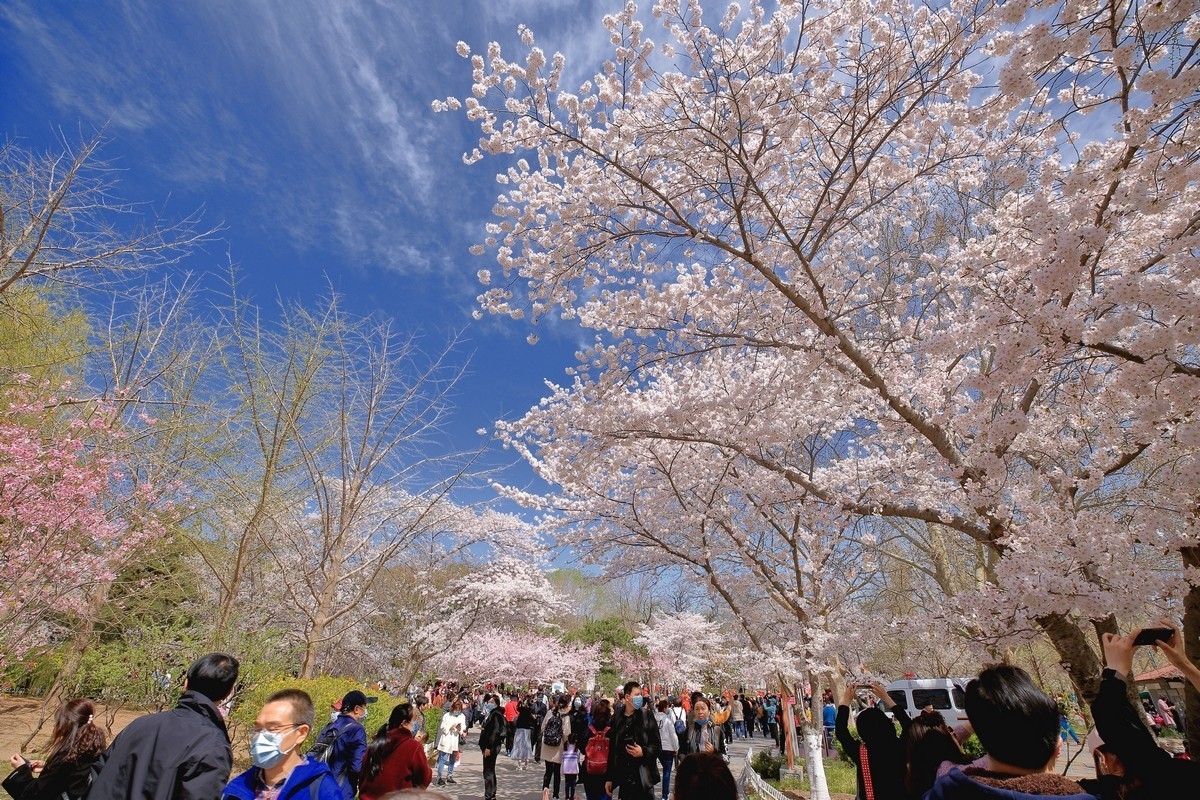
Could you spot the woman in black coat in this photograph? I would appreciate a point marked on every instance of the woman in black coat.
(75, 745)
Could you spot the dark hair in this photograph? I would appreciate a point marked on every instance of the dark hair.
(601, 713)
(383, 745)
(630, 686)
(698, 701)
(929, 742)
(704, 776)
(76, 738)
(1015, 721)
(663, 704)
(213, 676)
(301, 703)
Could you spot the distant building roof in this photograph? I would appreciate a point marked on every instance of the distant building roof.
(1167, 673)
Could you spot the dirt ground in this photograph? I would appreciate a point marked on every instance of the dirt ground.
(19, 715)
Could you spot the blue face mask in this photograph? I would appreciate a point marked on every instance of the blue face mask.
(265, 749)
(637, 701)
(489, 707)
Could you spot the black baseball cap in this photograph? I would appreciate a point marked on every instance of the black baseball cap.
(354, 699)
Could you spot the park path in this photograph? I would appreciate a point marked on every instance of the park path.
(515, 784)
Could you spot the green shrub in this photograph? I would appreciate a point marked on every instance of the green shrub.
(324, 691)
(766, 765)
(433, 719)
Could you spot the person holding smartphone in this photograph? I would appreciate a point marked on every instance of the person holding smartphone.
(633, 752)
(1151, 769)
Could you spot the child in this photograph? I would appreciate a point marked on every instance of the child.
(570, 764)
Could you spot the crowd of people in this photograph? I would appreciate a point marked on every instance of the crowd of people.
(633, 746)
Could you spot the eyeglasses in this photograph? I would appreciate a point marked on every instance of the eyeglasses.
(272, 728)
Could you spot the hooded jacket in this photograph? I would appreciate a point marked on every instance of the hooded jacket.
(976, 784)
(180, 754)
(307, 782)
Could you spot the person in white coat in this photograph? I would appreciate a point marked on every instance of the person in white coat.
(670, 742)
(454, 725)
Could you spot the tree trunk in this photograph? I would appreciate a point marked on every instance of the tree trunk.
(814, 754)
(1076, 653)
(1191, 645)
(81, 638)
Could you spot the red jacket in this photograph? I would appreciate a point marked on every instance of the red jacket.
(406, 767)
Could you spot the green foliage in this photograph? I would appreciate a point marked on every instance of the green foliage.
(433, 719)
(35, 674)
(41, 339)
(324, 691)
(766, 765)
(974, 748)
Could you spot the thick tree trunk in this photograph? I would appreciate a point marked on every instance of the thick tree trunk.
(1191, 639)
(814, 754)
(1076, 653)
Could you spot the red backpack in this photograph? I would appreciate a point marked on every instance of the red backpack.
(595, 755)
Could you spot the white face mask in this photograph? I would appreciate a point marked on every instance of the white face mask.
(333, 717)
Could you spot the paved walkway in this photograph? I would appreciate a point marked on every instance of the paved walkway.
(515, 784)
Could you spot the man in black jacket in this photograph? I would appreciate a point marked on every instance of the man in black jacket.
(491, 739)
(633, 749)
(181, 754)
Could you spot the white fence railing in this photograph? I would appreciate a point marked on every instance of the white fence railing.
(750, 782)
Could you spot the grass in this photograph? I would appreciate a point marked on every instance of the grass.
(840, 776)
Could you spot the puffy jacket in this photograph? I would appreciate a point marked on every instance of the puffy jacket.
(979, 785)
(309, 781)
(347, 754)
(406, 767)
(180, 754)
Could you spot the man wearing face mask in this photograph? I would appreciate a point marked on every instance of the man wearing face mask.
(279, 771)
(347, 742)
(633, 749)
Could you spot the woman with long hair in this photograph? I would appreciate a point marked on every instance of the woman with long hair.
(523, 743)
(878, 754)
(396, 758)
(593, 783)
(931, 748)
(66, 773)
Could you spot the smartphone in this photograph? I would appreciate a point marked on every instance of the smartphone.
(1150, 636)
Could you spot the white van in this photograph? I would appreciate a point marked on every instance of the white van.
(947, 695)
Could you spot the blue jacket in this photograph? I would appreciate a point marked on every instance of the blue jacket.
(348, 754)
(309, 781)
(955, 785)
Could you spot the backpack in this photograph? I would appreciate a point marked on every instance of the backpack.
(552, 734)
(680, 722)
(322, 748)
(595, 755)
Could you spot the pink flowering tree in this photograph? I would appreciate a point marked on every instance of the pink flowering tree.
(928, 264)
(72, 513)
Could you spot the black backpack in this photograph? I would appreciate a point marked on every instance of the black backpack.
(552, 734)
(322, 748)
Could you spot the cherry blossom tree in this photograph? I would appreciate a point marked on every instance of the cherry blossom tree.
(933, 264)
(71, 512)
(520, 657)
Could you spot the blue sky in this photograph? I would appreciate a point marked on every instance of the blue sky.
(304, 127)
